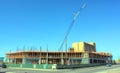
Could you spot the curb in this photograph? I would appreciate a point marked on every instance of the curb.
(35, 69)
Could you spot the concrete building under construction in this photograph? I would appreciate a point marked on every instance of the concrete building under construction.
(80, 53)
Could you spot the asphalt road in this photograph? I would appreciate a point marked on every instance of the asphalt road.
(78, 70)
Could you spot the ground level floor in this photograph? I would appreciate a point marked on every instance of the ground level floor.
(57, 61)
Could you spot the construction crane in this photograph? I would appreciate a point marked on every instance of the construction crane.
(70, 27)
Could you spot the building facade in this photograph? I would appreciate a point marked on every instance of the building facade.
(80, 53)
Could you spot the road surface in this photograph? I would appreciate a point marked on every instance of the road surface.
(98, 69)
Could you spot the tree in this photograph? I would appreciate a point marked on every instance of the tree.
(119, 60)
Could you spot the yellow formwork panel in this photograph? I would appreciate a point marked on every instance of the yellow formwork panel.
(84, 47)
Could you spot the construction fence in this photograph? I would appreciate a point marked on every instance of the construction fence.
(33, 66)
(50, 66)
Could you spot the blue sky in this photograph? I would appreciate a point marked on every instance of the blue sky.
(35, 23)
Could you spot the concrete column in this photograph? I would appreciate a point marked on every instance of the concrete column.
(85, 59)
(72, 61)
(62, 61)
(40, 61)
(8, 61)
(47, 58)
(23, 61)
(92, 60)
(14, 61)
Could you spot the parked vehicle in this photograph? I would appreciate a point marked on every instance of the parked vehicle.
(109, 65)
(3, 66)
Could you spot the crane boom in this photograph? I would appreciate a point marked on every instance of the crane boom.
(71, 25)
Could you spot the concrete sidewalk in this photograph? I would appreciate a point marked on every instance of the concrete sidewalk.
(114, 70)
(35, 69)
